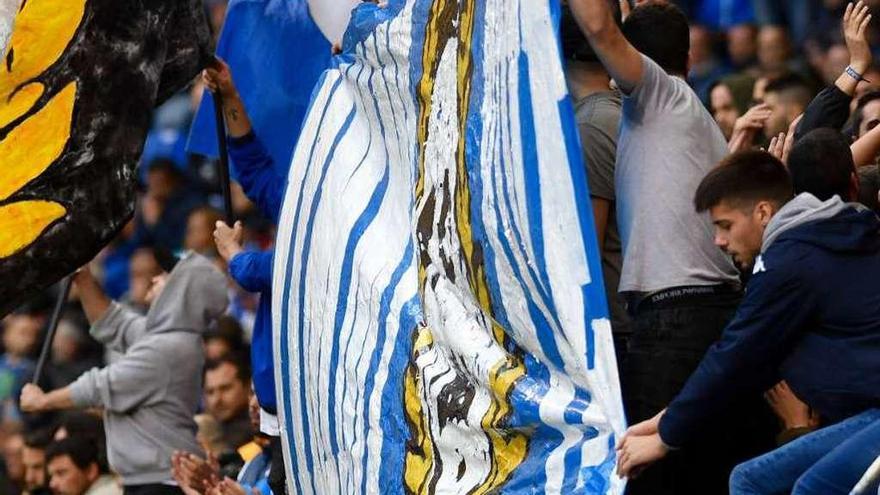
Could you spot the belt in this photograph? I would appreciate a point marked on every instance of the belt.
(676, 296)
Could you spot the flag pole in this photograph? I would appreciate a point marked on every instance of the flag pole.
(223, 154)
(53, 327)
(224, 159)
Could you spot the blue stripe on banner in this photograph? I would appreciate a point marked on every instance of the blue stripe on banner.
(360, 226)
(597, 478)
(546, 335)
(544, 440)
(595, 304)
(395, 431)
(304, 264)
(285, 312)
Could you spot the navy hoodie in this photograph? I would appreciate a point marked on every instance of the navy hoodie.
(810, 316)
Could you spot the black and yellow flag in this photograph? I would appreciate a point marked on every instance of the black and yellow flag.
(78, 81)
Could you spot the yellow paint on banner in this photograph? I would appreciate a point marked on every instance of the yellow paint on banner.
(43, 31)
(21, 223)
(29, 149)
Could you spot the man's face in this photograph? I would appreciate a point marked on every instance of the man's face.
(20, 334)
(739, 231)
(870, 117)
(778, 121)
(34, 461)
(723, 109)
(226, 397)
(65, 478)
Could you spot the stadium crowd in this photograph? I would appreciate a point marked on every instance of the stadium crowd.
(160, 378)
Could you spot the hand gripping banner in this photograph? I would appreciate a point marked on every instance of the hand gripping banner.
(78, 79)
(438, 304)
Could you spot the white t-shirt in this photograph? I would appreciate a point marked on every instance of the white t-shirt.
(668, 142)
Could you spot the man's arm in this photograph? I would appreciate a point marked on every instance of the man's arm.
(254, 167)
(866, 148)
(778, 302)
(622, 61)
(830, 108)
(33, 399)
(112, 325)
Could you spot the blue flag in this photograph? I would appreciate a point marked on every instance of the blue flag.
(276, 54)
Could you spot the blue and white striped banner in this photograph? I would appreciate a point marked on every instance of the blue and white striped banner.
(438, 301)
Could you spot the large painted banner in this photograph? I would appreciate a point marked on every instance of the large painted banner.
(438, 299)
(77, 82)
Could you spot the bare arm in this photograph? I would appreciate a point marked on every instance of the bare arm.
(33, 399)
(866, 149)
(95, 303)
(218, 79)
(601, 208)
(622, 61)
(855, 25)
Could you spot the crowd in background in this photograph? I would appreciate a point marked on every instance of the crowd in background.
(756, 65)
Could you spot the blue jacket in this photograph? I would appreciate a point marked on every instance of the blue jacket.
(252, 270)
(810, 316)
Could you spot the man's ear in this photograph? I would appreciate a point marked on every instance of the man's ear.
(93, 472)
(854, 187)
(764, 211)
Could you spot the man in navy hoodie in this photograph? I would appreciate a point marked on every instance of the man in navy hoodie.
(252, 270)
(810, 316)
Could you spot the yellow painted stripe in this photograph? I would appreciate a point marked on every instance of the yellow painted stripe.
(21, 223)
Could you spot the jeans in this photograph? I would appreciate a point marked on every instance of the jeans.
(667, 344)
(828, 461)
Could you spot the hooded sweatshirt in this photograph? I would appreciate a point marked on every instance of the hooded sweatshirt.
(810, 316)
(151, 393)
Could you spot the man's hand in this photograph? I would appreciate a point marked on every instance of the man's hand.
(791, 410)
(229, 487)
(647, 427)
(637, 452)
(228, 240)
(746, 127)
(193, 472)
(218, 79)
(781, 145)
(33, 399)
(855, 26)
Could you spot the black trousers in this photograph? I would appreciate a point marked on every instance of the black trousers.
(154, 489)
(277, 474)
(668, 342)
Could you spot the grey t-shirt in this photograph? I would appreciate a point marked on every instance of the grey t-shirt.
(668, 143)
(598, 120)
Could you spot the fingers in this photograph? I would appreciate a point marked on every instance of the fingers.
(848, 13)
(863, 27)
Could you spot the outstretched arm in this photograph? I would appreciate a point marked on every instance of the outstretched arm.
(622, 61)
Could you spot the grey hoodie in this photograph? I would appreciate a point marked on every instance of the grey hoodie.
(803, 209)
(150, 394)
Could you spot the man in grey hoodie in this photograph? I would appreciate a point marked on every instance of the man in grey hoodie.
(151, 392)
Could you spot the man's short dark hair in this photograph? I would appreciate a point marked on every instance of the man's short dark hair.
(859, 113)
(821, 163)
(242, 368)
(38, 439)
(575, 46)
(81, 451)
(742, 179)
(791, 87)
(661, 32)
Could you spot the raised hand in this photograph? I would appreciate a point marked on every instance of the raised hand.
(746, 127)
(855, 25)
